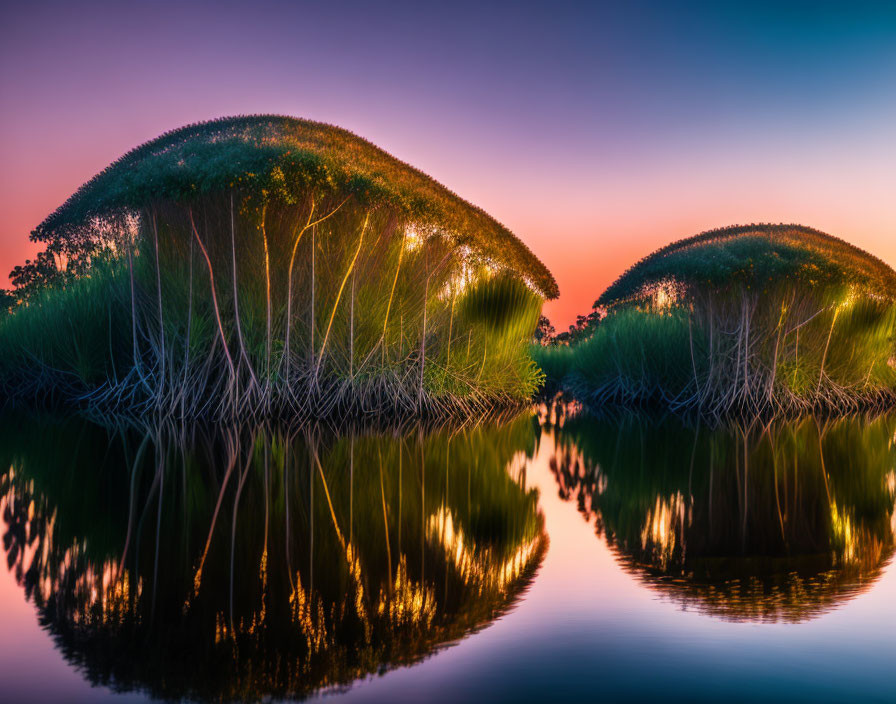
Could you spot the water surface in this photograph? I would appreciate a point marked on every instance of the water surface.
(539, 557)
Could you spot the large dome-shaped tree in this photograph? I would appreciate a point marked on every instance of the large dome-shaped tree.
(253, 263)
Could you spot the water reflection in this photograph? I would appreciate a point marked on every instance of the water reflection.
(259, 562)
(770, 524)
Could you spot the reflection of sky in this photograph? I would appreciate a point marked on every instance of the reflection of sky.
(596, 134)
(31, 669)
(585, 629)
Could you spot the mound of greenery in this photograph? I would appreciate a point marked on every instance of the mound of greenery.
(753, 256)
(740, 320)
(264, 263)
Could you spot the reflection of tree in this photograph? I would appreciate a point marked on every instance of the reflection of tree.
(779, 524)
(263, 562)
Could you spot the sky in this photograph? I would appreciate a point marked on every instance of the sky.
(597, 132)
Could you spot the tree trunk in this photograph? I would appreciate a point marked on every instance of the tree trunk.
(155, 235)
(211, 280)
(236, 305)
(351, 268)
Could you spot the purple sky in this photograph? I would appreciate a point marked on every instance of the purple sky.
(597, 135)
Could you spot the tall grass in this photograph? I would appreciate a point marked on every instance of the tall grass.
(633, 357)
(459, 347)
(746, 355)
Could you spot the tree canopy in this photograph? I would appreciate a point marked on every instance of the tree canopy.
(271, 156)
(752, 256)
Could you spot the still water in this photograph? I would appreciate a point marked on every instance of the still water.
(543, 557)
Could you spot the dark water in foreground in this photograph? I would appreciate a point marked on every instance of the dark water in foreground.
(576, 559)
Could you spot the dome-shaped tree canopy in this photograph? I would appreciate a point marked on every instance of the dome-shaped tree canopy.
(752, 256)
(282, 156)
(740, 321)
(264, 265)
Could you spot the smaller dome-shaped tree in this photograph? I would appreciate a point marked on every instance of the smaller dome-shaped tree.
(745, 319)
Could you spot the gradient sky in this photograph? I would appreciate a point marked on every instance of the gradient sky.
(596, 134)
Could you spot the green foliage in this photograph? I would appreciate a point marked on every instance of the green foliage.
(267, 265)
(79, 335)
(823, 356)
(555, 362)
(34, 277)
(498, 302)
(279, 158)
(632, 356)
(743, 320)
(544, 332)
(753, 256)
(8, 301)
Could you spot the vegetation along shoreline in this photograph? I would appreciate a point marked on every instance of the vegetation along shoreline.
(266, 266)
(260, 266)
(741, 321)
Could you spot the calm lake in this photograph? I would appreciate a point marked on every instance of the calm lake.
(540, 557)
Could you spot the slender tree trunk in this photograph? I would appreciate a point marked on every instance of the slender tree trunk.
(313, 282)
(236, 304)
(133, 306)
(392, 294)
(746, 323)
(189, 329)
(351, 332)
(774, 374)
(450, 326)
(155, 235)
(211, 280)
(351, 268)
(693, 362)
(824, 355)
(385, 524)
(267, 281)
(287, 349)
(286, 497)
(311, 523)
(423, 337)
(351, 491)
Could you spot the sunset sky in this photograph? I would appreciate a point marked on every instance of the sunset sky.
(596, 135)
